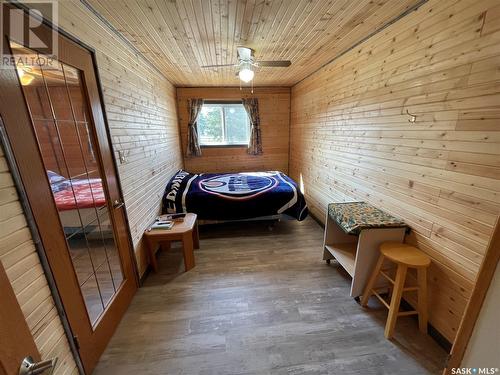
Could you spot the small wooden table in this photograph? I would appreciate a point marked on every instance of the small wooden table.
(186, 231)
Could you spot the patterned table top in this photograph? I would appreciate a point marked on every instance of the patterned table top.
(352, 217)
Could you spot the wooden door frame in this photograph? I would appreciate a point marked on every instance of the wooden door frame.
(475, 304)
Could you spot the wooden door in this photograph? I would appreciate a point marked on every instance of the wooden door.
(54, 120)
(16, 341)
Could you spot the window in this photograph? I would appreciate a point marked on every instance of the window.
(222, 124)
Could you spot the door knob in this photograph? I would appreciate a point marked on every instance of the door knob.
(118, 204)
(30, 367)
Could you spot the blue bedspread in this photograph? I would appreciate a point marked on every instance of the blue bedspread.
(234, 196)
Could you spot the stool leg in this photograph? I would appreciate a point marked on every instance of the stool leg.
(395, 301)
(371, 282)
(422, 299)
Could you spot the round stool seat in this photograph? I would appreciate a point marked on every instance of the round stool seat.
(404, 254)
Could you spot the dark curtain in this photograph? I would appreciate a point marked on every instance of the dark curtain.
(193, 144)
(252, 107)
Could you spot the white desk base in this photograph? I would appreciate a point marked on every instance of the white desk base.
(357, 254)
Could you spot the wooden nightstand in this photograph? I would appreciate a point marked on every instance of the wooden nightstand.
(186, 231)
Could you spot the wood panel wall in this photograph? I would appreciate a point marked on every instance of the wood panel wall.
(22, 265)
(351, 139)
(274, 108)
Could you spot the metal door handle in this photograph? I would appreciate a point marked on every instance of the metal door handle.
(30, 367)
(118, 204)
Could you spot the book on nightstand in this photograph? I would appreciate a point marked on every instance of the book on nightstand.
(178, 218)
(162, 224)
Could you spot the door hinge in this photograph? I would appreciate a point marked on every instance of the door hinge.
(76, 342)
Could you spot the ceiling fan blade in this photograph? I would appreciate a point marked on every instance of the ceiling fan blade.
(217, 66)
(276, 64)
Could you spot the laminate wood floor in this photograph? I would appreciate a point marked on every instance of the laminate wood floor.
(260, 302)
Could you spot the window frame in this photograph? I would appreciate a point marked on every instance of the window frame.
(226, 145)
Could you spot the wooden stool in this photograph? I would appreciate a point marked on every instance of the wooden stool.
(405, 256)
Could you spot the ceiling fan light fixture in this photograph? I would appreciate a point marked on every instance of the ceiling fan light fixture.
(247, 63)
(246, 74)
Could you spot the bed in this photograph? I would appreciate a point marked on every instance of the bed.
(216, 197)
(78, 201)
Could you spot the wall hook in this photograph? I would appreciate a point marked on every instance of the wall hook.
(412, 118)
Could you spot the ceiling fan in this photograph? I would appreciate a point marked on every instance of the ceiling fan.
(246, 64)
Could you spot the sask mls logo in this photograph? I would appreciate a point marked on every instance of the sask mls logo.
(24, 28)
(474, 371)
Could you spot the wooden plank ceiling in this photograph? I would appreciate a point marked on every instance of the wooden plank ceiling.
(178, 36)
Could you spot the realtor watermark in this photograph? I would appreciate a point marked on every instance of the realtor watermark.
(28, 44)
(474, 371)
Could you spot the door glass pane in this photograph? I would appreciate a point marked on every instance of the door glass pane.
(92, 296)
(59, 109)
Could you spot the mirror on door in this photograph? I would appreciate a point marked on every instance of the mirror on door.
(59, 111)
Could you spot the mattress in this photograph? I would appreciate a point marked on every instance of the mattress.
(234, 196)
(78, 193)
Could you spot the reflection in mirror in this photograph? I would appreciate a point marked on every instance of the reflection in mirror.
(59, 110)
